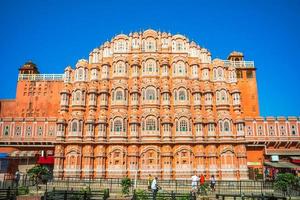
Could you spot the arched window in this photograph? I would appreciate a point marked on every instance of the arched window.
(224, 96)
(150, 94)
(183, 125)
(150, 45)
(150, 124)
(150, 67)
(180, 68)
(120, 68)
(74, 126)
(215, 74)
(119, 95)
(195, 70)
(118, 125)
(220, 73)
(80, 74)
(221, 126)
(182, 95)
(226, 126)
(78, 96)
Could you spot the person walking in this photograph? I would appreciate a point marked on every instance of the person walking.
(213, 183)
(202, 180)
(154, 188)
(17, 178)
(149, 181)
(195, 180)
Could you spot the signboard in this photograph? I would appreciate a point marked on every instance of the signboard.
(254, 163)
(275, 158)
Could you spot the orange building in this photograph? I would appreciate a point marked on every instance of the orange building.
(145, 103)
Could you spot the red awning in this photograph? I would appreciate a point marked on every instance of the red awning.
(295, 159)
(49, 160)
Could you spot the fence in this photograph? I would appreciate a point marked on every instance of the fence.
(177, 186)
(182, 186)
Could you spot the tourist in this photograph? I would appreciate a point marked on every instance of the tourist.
(154, 188)
(202, 180)
(195, 180)
(213, 183)
(149, 181)
(17, 178)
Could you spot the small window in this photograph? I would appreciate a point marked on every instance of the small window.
(40, 131)
(6, 130)
(118, 126)
(183, 125)
(150, 125)
(239, 74)
(249, 74)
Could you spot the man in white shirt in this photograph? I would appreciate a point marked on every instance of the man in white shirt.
(195, 180)
(154, 188)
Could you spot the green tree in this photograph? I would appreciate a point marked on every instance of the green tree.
(285, 182)
(38, 174)
(126, 184)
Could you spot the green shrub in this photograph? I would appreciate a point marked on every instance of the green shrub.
(284, 182)
(259, 176)
(141, 194)
(186, 197)
(126, 184)
(23, 190)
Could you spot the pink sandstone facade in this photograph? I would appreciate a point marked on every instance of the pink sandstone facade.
(146, 103)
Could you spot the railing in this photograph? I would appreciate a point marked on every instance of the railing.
(181, 186)
(246, 187)
(41, 77)
(239, 64)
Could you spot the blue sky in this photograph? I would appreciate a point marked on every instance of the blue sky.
(56, 33)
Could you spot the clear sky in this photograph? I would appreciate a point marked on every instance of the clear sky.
(57, 33)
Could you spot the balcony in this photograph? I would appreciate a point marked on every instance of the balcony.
(101, 136)
(134, 103)
(119, 103)
(239, 64)
(151, 103)
(89, 136)
(182, 103)
(40, 77)
(118, 136)
(183, 136)
(150, 135)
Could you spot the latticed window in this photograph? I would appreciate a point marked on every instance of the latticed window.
(211, 127)
(240, 127)
(40, 130)
(220, 73)
(165, 96)
(150, 124)
(293, 127)
(182, 96)
(74, 126)
(80, 74)
(119, 95)
(28, 130)
(118, 126)
(226, 126)
(18, 130)
(183, 125)
(150, 94)
(179, 46)
(6, 130)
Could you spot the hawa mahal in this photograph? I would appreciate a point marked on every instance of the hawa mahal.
(145, 103)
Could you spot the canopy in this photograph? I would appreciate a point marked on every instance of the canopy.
(295, 159)
(282, 164)
(24, 154)
(49, 160)
(3, 155)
